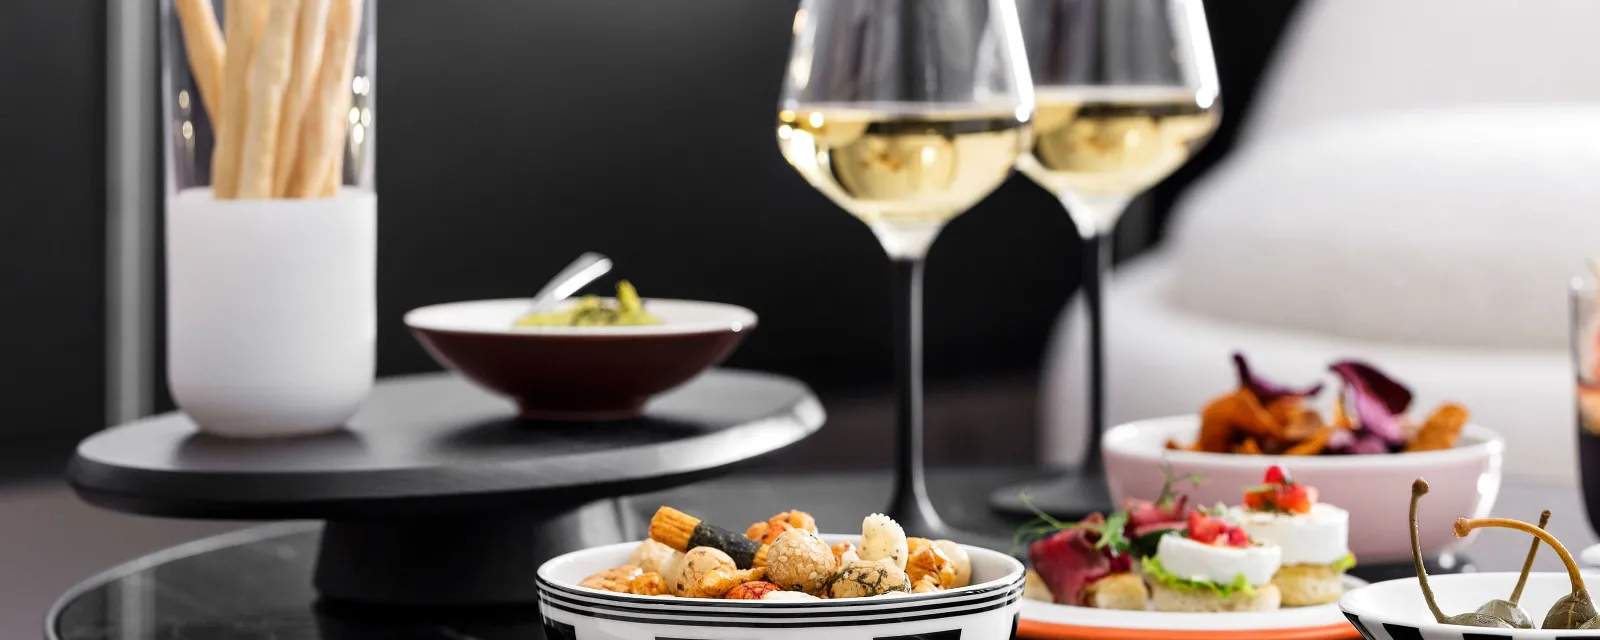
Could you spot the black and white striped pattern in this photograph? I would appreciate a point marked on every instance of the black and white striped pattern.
(1376, 630)
(572, 613)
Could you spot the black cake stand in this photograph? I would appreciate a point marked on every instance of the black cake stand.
(435, 494)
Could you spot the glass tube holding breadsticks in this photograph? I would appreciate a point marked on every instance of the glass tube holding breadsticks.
(269, 99)
(270, 211)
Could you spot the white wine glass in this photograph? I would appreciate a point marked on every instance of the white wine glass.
(906, 113)
(1127, 91)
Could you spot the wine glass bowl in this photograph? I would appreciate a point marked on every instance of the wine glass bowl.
(906, 113)
(1127, 91)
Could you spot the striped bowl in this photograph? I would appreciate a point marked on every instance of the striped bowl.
(988, 609)
(1395, 610)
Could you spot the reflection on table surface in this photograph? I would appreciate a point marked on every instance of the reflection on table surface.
(257, 583)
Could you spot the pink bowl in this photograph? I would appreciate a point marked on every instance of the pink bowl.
(1375, 489)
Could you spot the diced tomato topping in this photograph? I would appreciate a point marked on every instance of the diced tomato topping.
(1281, 493)
(1206, 529)
(1215, 530)
(1296, 498)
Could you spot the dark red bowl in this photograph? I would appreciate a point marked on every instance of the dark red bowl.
(579, 373)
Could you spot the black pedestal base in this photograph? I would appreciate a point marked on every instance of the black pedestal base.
(914, 512)
(1068, 496)
(470, 560)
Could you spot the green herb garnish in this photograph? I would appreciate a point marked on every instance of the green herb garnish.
(1145, 546)
(1111, 531)
(1112, 534)
(1165, 499)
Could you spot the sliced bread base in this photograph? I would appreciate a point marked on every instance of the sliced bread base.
(1304, 585)
(1164, 598)
(1125, 591)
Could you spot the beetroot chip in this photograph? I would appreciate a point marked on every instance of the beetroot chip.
(1367, 379)
(1266, 391)
(1378, 401)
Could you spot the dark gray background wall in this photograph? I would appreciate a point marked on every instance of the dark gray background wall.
(645, 130)
(513, 135)
(52, 203)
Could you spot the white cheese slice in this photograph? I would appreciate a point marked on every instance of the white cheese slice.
(1221, 564)
(1319, 537)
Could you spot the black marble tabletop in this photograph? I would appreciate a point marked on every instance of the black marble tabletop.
(257, 583)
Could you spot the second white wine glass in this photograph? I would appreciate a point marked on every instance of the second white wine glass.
(906, 113)
(1127, 93)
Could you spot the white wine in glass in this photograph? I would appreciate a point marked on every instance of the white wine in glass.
(906, 113)
(904, 170)
(1113, 142)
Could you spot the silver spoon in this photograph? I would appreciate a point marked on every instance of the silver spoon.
(582, 271)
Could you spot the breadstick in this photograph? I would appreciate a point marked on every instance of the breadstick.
(202, 39)
(269, 75)
(309, 38)
(335, 178)
(322, 142)
(242, 23)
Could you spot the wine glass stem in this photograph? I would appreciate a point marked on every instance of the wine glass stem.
(1097, 266)
(1096, 217)
(909, 505)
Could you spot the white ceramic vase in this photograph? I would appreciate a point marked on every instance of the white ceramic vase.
(271, 311)
(271, 301)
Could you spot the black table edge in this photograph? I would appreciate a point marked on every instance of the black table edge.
(130, 489)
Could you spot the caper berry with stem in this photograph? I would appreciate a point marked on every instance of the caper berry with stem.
(1511, 610)
(1571, 611)
(1474, 619)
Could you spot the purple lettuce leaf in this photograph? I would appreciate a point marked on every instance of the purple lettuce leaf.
(1266, 391)
(1378, 401)
(1357, 443)
(1375, 418)
(1341, 441)
(1368, 380)
(1369, 443)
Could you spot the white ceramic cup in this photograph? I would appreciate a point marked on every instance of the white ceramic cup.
(271, 311)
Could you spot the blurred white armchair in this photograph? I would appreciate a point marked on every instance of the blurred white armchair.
(1417, 184)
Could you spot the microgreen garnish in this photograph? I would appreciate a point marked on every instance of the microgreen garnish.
(1042, 524)
(1165, 499)
(1111, 533)
(1111, 530)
